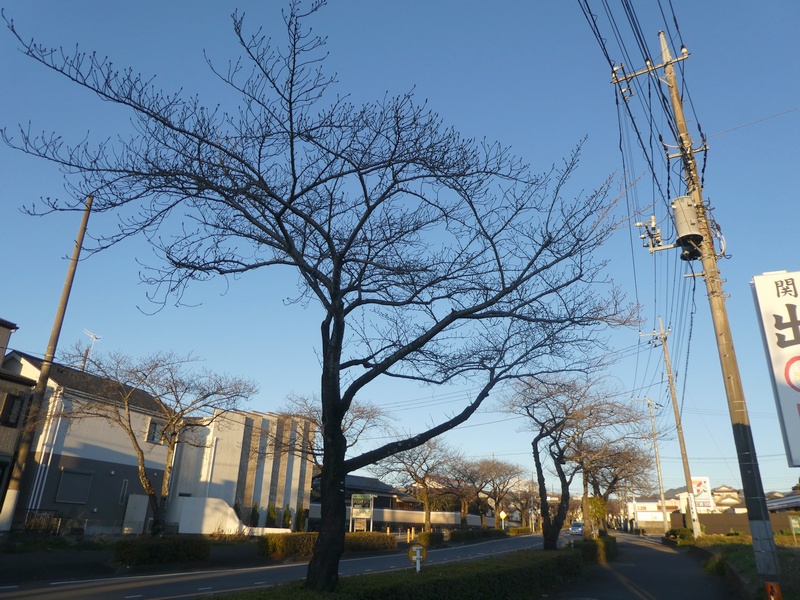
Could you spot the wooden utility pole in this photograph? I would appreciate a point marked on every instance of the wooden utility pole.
(766, 554)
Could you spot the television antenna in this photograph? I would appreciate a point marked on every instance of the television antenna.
(89, 349)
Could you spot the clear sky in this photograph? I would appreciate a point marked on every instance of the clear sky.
(528, 74)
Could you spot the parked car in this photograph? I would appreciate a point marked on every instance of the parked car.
(576, 528)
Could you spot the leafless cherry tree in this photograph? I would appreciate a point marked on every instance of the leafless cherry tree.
(164, 385)
(575, 420)
(432, 257)
(418, 469)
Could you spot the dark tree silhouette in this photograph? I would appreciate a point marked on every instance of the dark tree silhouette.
(432, 257)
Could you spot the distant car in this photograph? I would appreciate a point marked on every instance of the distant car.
(576, 528)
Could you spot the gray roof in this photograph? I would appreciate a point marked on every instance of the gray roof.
(93, 385)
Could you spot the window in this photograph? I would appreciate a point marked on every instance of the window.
(155, 431)
(74, 487)
(12, 409)
(123, 493)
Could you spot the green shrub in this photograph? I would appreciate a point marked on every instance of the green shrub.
(253, 520)
(287, 518)
(162, 550)
(363, 541)
(684, 536)
(272, 515)
(734, 533)
(431, 538)
(600, 550)
(282, 545)
(279, 546)
(300, 519)
(515, 531)
(471, 535)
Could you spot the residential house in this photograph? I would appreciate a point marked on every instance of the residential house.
(15, 391)
(82, 473)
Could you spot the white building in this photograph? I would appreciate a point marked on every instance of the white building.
(83, 473)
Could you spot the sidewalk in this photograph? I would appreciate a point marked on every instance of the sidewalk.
(647, 570)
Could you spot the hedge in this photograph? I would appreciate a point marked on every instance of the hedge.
(471, 535)
(282, 545)
(431, 538)
(161, 550)
(599, 550)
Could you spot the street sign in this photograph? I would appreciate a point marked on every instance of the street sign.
(417, 553)
(795, 524)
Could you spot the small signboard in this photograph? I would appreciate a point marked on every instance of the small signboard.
(360, 512)
(795, 524)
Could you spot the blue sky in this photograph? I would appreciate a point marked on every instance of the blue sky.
(529, 74)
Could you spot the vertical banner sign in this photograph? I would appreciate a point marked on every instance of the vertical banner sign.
(776, 297)
(702, 493)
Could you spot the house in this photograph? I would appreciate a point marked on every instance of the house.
(15, 391)
(82, 473)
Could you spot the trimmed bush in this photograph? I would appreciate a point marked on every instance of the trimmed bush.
(431, 538)
(369, 541)
(287, 518)
(282, 545)
(515, 531)
(683, 536)
(272, 515)
(599, 550)
(162, 550)
(279, 546)
(472, 535)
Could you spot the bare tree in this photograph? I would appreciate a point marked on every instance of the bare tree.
(576, 422)
(180, 399)
(522, 497)
(500, 477)
(434, 258)
(419, 470)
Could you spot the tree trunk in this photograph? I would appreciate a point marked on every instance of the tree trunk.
(323, 569)
(588, 518)
(159, 508)
(426, 505)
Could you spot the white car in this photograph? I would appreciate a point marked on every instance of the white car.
(576, 528)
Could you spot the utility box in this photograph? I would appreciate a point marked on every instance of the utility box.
(687, 226)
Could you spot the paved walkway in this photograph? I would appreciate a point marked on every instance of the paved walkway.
(647, 570)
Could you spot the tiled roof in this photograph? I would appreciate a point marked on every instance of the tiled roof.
(80, 381)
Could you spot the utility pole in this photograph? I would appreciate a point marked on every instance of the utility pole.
(658, 467)
(694, 236)
(690, 499)
(29, 422)
(766, 553)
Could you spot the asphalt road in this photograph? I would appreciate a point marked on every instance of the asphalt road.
(196, 584)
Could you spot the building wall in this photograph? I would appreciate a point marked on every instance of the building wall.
(85, 469)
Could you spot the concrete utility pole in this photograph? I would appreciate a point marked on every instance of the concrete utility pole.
(766, 553)
(658, 467)
(697, 243)
(11, 495)
(690, 499)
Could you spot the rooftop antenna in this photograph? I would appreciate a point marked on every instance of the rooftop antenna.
(89, 349)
